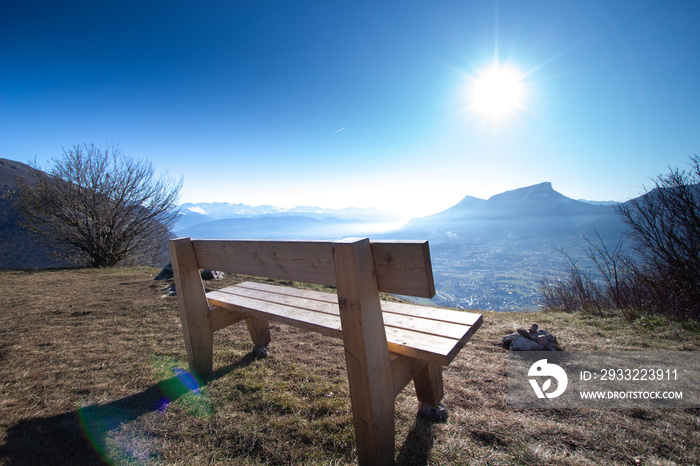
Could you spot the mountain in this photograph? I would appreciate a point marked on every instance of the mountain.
(17, 249)
(486, 254)
(465, 207)
(193, 214)
(208, 211)
(283, 226)
(224, 220)
(491, 254)
(536, 211)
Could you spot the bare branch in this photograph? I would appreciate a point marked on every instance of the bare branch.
(104, 206)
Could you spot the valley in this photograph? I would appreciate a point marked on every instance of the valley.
(486, 253)
(479, 275)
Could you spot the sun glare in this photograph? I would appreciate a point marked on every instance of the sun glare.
(497, 92)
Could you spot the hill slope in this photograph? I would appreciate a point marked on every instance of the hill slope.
(17, 249)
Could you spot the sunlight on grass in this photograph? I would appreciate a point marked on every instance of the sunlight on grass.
(111, 427)
(110, 366)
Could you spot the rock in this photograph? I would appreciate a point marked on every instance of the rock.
(532, 339)
(166, 273)
(169, 291)
(212, 275)
(520, 343)
(260, 351)
(436, 414)
(508, 340)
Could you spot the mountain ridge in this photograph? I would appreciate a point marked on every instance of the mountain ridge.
(486, 253)
(536, 210)
(192, 214)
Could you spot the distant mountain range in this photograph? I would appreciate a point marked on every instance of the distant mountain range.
(486, 253)
(224, 220)
(531, 212)
(536, 211)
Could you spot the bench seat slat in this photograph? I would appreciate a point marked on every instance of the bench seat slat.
(407, 334)
(317, 321)
(433, 313)
(419, 324)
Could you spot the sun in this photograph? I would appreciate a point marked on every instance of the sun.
(497, 92)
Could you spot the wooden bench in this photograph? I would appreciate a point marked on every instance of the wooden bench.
(387, 344)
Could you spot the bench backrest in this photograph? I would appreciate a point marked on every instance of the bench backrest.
(400, 267)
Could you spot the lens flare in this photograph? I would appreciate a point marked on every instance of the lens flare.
(110, 427)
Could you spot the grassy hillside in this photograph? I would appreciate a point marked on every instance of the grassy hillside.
(91, 368)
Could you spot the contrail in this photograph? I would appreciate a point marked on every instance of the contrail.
(341, 129)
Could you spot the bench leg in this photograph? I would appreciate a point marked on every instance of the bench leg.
(366, 353)
(259, 330)
(194, 311)
(372, 414)
(429, 390)
(428, 384)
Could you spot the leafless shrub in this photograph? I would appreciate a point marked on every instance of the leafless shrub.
(576, 291)
(665, 232)
(99, 207)
(662, 275)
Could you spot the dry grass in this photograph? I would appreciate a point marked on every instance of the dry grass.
(91, 371)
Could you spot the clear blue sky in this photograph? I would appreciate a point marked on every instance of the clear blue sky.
(356, 103)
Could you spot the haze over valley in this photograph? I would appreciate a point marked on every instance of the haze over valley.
(486, 253)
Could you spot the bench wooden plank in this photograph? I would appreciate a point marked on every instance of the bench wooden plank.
(433, 313)
(404, 370)
(304, 261)
(399, 320)
(222, 318)
(428, 384)
(400, 267)
(401, 341)
(417, 337)
(366, 355)
(194, 313)
(320, 322)
(403, 267)
(421, 346)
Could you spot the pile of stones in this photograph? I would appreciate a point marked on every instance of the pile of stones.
(533, 339)
(167, 274)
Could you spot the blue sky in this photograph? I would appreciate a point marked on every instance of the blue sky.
(366, 104)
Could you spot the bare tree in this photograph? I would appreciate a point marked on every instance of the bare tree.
(663, 276)
(614, 267)
(615, 286)
(665, 232)
(101, 206)
(576, 291)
